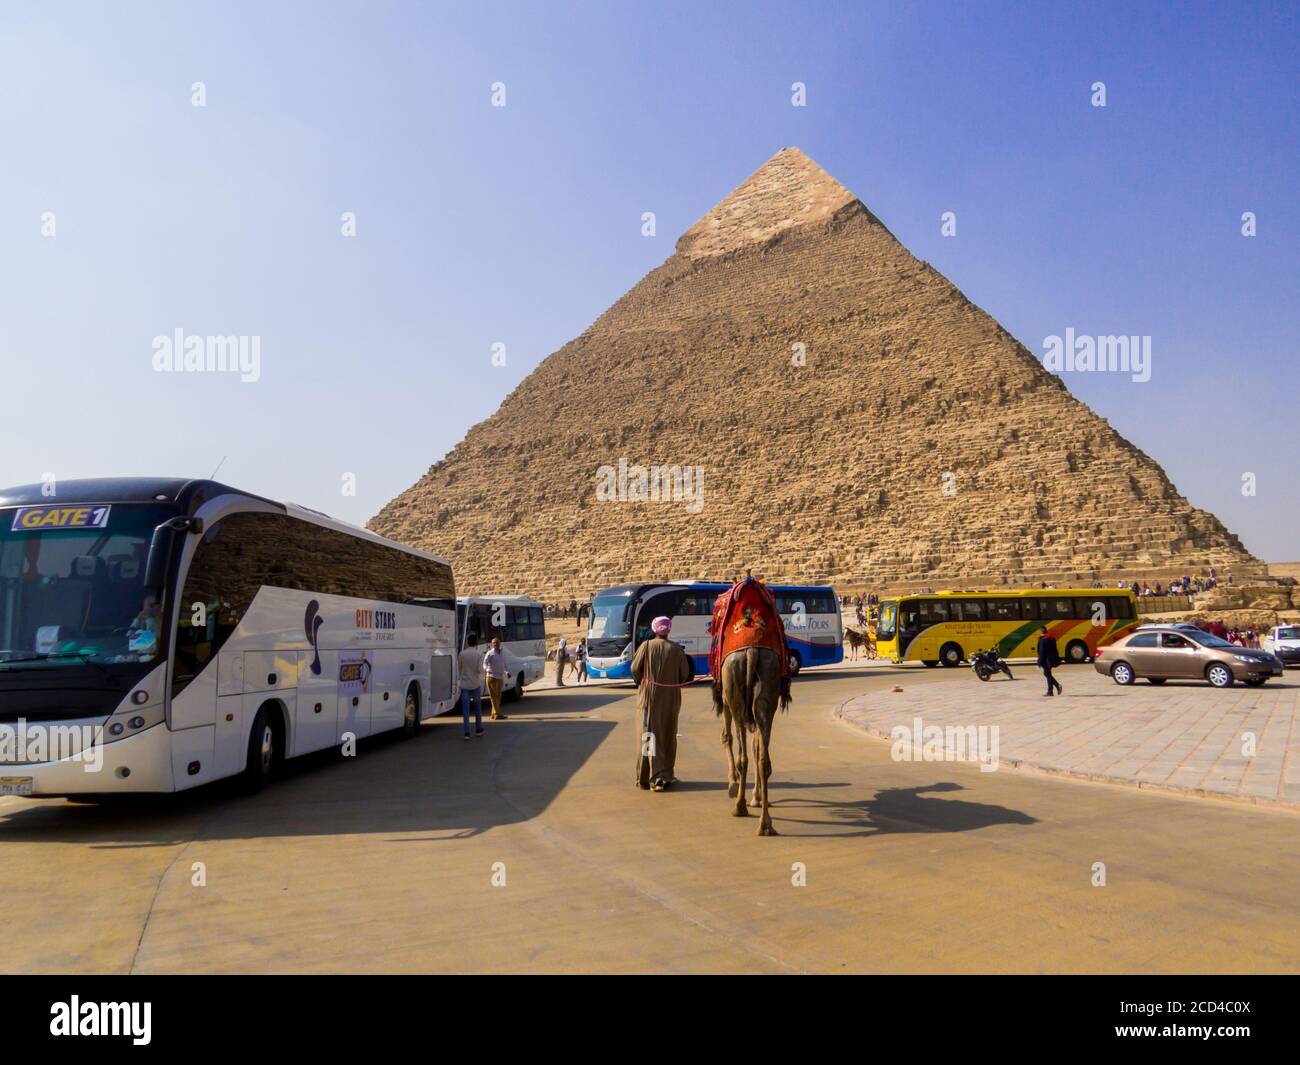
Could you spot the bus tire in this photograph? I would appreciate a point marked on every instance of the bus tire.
(262, 755)
(1077, 653)
(796, 663)
(411, 713)
(929, 663)
(951, 655)
(516, 691)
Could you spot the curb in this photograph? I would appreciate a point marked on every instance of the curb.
(1025, 766)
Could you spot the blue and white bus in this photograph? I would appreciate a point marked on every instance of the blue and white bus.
(621, 616)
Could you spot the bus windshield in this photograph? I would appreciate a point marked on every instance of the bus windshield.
(72, 585)
(886, 624)
(611, 617)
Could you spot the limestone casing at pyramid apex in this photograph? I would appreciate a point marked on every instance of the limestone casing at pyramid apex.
(788, 190)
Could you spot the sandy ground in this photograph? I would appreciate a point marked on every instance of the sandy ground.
(530, 850)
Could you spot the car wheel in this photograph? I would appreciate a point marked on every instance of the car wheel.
(1256, 682)
(1156, 680)
(1218, 675)
(951, 654)
(1122, 673)
(1077, 653)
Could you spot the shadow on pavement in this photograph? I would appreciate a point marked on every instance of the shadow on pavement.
(895, 810)
(436, 782)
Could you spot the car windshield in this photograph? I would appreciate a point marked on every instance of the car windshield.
(72, 585)
(1206, 639)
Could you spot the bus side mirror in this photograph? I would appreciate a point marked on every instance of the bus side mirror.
(163, 544)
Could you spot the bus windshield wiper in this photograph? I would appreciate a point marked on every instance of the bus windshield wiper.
(46, 655)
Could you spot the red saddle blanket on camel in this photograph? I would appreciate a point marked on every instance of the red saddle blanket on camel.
(746, 616)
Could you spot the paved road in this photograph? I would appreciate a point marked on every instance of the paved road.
(385, 862)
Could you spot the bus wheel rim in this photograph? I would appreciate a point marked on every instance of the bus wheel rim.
(268, 747)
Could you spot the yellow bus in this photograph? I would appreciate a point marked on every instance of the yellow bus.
(947, 627)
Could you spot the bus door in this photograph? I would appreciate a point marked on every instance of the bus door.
(317, 713)
(666, 602)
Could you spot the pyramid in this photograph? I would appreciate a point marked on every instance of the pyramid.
(858, 422)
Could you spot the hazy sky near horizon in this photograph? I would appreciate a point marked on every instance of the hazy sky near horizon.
(519, 225)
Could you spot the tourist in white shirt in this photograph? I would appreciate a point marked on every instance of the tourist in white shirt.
(471, 685)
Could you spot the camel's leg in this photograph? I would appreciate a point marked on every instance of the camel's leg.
(763, 770)
(732, 779)
(735, 690)
(742, 770)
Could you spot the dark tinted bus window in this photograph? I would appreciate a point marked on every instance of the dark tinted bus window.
(971, 609)
(1055, 609)
(1003, 610)
(1084, 608)
(1121, 608)
(239, 554)
(934, 611)
(699, 604)
(1030, 609)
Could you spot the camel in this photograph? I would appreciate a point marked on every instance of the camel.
(747, 700)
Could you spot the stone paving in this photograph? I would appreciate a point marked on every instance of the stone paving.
(1183, 736)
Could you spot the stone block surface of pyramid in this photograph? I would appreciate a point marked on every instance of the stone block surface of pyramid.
(918, 442)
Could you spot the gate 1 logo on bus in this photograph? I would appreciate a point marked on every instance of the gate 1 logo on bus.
(311, 625)
(354, 673)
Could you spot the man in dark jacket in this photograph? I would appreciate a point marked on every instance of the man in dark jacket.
(1048, 659)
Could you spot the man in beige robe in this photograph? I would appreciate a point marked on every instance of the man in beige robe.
(660, 668)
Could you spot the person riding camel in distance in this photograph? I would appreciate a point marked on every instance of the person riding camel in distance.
(660, 668)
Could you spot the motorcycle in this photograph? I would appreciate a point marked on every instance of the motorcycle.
(986, 663)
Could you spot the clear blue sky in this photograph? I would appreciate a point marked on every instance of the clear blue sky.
(520, 225)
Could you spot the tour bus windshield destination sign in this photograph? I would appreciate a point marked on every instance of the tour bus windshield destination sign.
(30, 519)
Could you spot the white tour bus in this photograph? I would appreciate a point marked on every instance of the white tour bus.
(180, 632)
(517, 621)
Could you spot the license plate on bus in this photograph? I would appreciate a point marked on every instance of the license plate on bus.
(15, 785)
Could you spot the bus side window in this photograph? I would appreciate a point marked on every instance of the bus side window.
(1058, 609)
(1029, 609)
